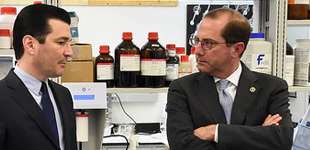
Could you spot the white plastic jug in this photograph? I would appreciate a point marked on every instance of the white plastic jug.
(258, 54)
(7, 19)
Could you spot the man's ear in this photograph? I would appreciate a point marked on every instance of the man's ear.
(29, 43)
(238, 49)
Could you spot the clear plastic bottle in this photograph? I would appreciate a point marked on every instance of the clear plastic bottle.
(172, 65)
(7, 19)
(104, 70)
(184, 68)
(153, 63)
(127, 62)
(192, 60)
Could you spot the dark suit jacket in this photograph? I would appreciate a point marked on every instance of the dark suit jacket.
(22, 122)
(193, 102)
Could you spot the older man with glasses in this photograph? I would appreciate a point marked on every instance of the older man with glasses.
(226, 106)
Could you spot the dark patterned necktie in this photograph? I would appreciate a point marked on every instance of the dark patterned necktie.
(48, 109)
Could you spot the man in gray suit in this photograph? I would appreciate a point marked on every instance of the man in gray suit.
(36, 113)
(258, 117)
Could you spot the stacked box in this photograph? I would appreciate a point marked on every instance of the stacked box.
(81, 68)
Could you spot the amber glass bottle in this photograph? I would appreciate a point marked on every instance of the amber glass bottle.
(127, 62)
(104, 66)
(153, 63)
(289, 49)
(172, 69)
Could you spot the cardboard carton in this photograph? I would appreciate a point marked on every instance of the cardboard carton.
(81, 51)
(78, 71)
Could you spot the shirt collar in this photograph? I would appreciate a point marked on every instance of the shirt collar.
(32, 84)
(234, 77)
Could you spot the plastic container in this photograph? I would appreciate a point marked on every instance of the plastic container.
(5, 39)
(184, 68)
(104, 63)
(258, 54)
(82, 126)
(153, 63)
(7, 19)
(192, 60)
(127, 62)
(302, 60)
(172, 65)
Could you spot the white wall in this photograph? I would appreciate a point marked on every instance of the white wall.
(100, 25)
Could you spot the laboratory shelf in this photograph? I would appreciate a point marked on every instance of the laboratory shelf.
(298, 89)
(298, 22)
(7, 52)
(137, 90)
(165, 90)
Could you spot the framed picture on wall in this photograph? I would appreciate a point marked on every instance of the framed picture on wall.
(195, 13)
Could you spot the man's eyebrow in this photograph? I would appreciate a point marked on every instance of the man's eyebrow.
(63, 38)
(208, 40)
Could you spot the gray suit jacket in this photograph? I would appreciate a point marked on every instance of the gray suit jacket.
(22, 122)
(193, 103)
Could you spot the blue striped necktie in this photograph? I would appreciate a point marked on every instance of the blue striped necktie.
(226, 99)
(48, 109)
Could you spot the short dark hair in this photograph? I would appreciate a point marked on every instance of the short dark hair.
(33, 20)
(237, 28)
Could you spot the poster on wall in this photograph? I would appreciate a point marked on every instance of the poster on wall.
(195, 13)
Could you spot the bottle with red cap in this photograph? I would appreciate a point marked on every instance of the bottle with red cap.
(184, 68)
(4, 39)
(180, 51)
(192, 60)
(172, 69)
(104, 66)
(127, 62)
(153, 63)
(7, 19)
(37, 2)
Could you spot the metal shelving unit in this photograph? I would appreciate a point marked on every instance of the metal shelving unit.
(272, 21)
(137, 90)
(298, 22)
(7, 52)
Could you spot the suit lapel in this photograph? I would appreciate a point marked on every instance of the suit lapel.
(22, 96)
(208, 95)
(246, 93)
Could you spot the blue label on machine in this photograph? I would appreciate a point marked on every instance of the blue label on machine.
(84, 97)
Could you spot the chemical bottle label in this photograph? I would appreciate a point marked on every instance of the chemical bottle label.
(301, 73)
(105, 71)
(259, 62)
(172, 72)
(130, 62)
(153, 67)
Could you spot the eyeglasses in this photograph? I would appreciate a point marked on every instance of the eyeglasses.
(205, 44)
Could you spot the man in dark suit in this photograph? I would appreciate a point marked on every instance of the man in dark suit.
(42, 45)
(257, 119)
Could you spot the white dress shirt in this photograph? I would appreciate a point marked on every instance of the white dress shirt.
(231, 89)
(34, 86)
